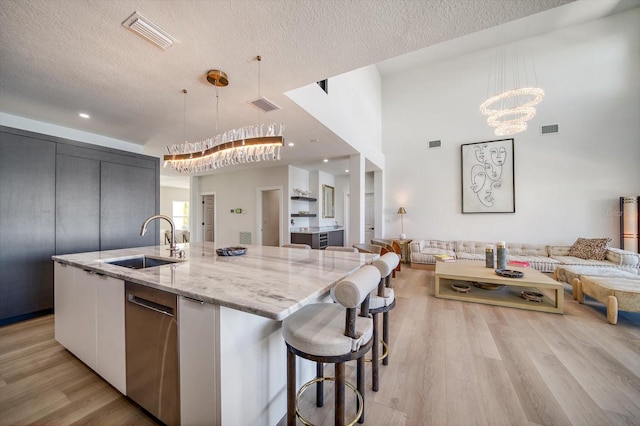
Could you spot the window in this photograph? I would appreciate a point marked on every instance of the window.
(181, 214)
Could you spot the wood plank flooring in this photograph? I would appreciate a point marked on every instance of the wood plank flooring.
(451, 363)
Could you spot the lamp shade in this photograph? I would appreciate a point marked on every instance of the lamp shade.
(401, 210)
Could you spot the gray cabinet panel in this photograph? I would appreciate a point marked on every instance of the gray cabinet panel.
(127, 198)
(27, 224)
(336, 238)
(77, 204)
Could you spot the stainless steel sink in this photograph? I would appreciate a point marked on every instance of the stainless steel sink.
(141, 262)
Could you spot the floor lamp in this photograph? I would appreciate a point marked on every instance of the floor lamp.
(629, 224)
(402, 212)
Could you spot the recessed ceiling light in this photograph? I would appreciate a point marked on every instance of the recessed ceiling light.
(346, 170)
(84, 115)
(326, 160)
(291, 144)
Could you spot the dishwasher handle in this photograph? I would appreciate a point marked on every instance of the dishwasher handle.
(148, 304)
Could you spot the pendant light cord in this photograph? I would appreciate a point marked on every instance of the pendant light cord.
(259, 59)
(217, 101)
(184, 116)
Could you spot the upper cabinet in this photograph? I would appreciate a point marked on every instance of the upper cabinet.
(59, 196)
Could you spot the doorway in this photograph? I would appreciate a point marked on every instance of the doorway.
(208, 217)
(270, 217)
(369, 218)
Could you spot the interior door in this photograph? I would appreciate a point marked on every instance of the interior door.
(208, 216)
(271, 217)
(369, 220)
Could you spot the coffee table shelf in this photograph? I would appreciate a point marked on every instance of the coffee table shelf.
(468, 272)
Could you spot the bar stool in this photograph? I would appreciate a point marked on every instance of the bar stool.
(298, 246)
(382, 301)
(330, 333)
(340, 248)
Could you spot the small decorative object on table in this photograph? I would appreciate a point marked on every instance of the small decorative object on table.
(502, 255)
(532, 296)
(231, 251)
(509, 273)
(461, 288)
(489, 257)
(488, 286)
(444, 258)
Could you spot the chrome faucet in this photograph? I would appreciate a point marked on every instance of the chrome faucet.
(173, 250)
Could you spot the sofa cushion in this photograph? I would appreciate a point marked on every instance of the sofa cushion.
(470, 256)
(524, 249)
(590, 248)
(623, 258)
(541, 263)
(572, 260)
(477, 247)
(566, 273)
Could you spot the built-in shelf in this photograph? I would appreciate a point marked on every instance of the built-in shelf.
(303, 215)
(303, 198)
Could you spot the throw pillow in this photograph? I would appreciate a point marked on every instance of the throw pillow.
(590, 248)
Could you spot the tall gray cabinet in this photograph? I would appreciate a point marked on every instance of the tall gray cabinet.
(59, 196)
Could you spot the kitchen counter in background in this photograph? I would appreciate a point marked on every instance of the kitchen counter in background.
(316, 229)
(319, 237)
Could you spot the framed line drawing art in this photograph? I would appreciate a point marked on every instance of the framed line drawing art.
(488, 179)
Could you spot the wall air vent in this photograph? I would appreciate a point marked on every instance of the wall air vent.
(245, 238)
(435, 144)
(265, 104)
(546, 130)
(149, 31)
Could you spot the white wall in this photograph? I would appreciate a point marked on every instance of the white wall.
(567, 185)
(238, 189)
(355, 95)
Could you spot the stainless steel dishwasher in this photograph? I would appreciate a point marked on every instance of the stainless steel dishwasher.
(151, 321)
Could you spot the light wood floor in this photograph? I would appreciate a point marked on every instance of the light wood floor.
(452, 363)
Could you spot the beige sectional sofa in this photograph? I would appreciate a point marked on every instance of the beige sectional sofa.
(544, 258)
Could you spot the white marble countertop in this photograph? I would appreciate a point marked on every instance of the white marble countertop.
(316, 229)
(272, 282)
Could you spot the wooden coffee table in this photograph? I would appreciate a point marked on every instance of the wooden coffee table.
(470, 272)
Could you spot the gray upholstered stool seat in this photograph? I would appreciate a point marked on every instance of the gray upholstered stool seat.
(332, 333)
(318, 329)
(376, 301)
(297, 246)
(340, 248)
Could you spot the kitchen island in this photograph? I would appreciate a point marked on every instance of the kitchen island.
(232, 356)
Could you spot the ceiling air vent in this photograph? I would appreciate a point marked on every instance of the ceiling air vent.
(265, 104)
(546, 130)
(149, 31)
(435, 144)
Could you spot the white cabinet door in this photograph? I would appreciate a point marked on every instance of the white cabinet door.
(110, 345)
(75, 312)
(199, 365)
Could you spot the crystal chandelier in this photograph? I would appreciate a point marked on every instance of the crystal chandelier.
(510, 109)
(248, 144)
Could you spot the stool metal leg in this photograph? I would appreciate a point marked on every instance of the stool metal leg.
(360, 372)
(319, 384)
(375, 355)
(339, 392)
(385, 335)
(291, 388)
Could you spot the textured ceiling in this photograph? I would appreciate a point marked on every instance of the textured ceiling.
(59, 57)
